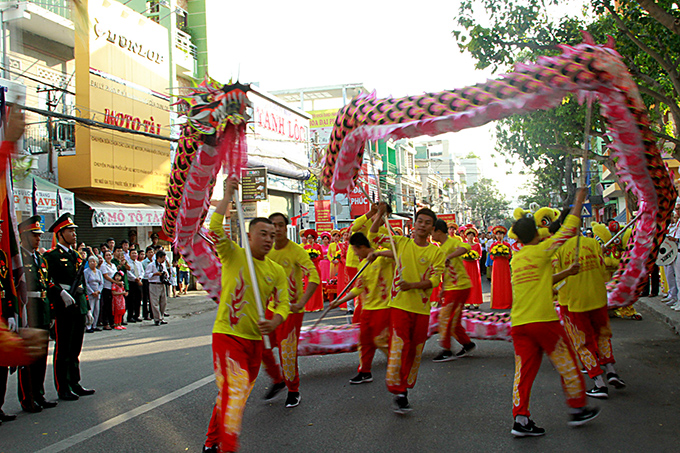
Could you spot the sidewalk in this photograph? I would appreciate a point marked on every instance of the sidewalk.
(193, 303)
(662, 311)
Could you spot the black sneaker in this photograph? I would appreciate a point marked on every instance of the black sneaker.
(530, 429)
(598, 392)
(293, 399)
(362, 378)
(212, 449)
(614, 380)
(444, 356)
(276, 388)
(585, 415)
(401, 405)
(466, 350)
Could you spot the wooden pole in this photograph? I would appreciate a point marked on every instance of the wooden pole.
(251, 265)
(345, 289)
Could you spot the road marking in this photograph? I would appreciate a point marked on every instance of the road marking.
(122, 418)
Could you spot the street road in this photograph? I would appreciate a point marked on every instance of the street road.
(155, 393)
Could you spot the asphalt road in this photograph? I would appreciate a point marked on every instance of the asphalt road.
(155, 393)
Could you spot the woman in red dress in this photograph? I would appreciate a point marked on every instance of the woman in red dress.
(315, 253)
(472, 267)
(342, 273)
(501, 286)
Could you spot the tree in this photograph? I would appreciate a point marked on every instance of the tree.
(521, 30)
(487, 205)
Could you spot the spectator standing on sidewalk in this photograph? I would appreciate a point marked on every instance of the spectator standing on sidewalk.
(94, 284)
(134, 298)
(673, 270)
(146, 309)
(183, 275)
(158, 275)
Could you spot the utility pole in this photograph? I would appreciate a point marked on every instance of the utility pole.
(51, 105)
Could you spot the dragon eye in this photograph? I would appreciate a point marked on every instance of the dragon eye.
(545, 221)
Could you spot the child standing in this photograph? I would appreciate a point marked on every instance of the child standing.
(535, 325)
(119, 293)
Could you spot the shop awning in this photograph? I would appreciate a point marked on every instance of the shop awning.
(115, 214)
(280, 166)
(45, 196)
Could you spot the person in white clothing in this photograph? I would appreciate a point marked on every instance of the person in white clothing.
(106, 298)
(673, 270)
(158, 276)
(134, 298)
(94, 284)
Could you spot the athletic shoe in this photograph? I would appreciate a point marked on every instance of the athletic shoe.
(670, 302)
(362, 378)
(598, 392)
(401, 405)
(211, 449)
(444, 356)
(293, 399)
(276, 388)
(585, 415)
(466, 350)
(529, 430)
(676, 307)
(614, 380)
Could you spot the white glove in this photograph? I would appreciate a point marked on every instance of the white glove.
(66, 297)
(89, 319)
(12, 324)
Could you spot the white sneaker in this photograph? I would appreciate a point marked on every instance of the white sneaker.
(671, 302)
(676, 307)
(666, 299)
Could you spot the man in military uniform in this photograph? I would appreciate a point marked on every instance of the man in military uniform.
(39, 313)
(67, 296)
(8, 301)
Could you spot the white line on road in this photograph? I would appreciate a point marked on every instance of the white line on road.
(122, 418)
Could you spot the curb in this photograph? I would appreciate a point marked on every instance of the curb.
(662, 311)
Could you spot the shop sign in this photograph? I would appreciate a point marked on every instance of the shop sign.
(46, 201)
(322, 211)
(129, 217)
(253, 184)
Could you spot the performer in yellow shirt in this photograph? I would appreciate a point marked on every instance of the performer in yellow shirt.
(535, 324)
(373, 290)
(456, 287)
(237, 334)
(583, 303)
(360, 225)
(296, 264)
(419, 266)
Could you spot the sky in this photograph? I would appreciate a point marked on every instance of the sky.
(387, 46)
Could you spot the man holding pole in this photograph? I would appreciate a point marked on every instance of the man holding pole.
(238, 329)
(419, 266)
(296, 265)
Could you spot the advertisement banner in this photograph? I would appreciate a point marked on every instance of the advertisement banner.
(122, 73)
(322, 227)
(448, 218)
(397, 223)
(253, 184)
(322, 211)
(321, 125)
(46, 201)
(359, 205)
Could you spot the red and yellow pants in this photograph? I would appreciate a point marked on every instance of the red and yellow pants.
(373, 334)
(590, 336)
(408, 333)
(285, 337)
(237, 362)
(450, 318)
(530, 342)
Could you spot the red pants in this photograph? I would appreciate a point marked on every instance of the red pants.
(450, 317)
(408, 333)
(285, 337)
(237, 362)
(590, 336)
(373, 333)
(530, 341)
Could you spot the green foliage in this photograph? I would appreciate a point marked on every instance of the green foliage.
(487, 205)
(311, 190)
(522, 30)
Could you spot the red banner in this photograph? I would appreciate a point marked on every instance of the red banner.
(448, 218)
(324, 227)
(358, 203)
(322, 211)
(397, 223)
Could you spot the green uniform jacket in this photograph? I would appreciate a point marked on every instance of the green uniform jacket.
(62, 267)
(7, 294)
(37, 280)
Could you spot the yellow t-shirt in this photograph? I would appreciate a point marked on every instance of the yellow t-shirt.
(532, 297)
(414, 264)
(361, 225)
(237, 313)
(296, 264)
(373, 285)
(455, 276)
(586, 290)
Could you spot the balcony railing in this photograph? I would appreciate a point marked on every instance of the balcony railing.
(183, 43)
(60, 7)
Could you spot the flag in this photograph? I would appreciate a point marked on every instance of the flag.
(34, 198)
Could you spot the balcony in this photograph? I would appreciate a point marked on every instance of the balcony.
(50, 19)
(185, 54)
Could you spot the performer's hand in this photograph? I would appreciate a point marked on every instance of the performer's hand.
(66, 297)
(382, 208)
(35, 341)
(16, 123)
(297, 307)
(574, 269)
(335, 304)
(372, 256)
(405, 286)
(89, 319)
(267, 326)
